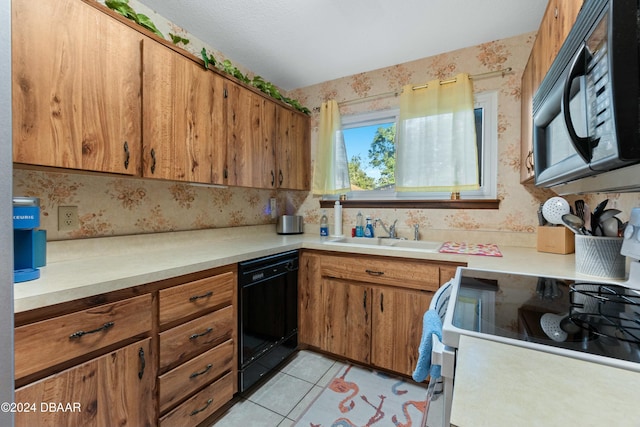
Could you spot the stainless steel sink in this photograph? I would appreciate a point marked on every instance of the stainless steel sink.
(400, 244)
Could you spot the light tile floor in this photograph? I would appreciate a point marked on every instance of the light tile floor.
(281, 399)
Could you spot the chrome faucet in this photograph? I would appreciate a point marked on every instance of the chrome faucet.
(416, 231)
(392, 228)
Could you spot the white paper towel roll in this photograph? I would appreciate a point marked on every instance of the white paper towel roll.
(337, 215)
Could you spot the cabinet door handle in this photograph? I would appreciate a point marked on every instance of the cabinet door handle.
(197, 411)
(381, 302)
(364, 302)
(197, 297)
(143, 363)
(280, 177)
(273, 178)
(127, 155)
(153, 160)
(204, 371)
(104, 327)
(529, 161)
(374, 273)
(194, 336)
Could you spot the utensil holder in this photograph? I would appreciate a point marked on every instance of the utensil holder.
(600, 256)
(555, 240)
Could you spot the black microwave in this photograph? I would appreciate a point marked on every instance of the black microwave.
(586, 112)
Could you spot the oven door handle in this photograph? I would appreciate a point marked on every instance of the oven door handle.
(583, 145)
(443, 356)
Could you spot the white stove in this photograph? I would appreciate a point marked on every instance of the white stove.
(592, 320)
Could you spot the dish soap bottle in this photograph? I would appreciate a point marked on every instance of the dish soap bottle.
(324, 226)
(359, 225)
(368, 230)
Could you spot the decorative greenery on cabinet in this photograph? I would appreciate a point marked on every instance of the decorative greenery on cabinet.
(123, 8)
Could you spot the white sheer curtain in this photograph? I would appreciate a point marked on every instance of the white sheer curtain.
(330, 171)
(436, 141)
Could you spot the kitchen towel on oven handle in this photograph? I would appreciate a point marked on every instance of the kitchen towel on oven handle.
(431, 325)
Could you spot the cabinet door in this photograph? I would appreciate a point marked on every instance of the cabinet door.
(310, 301)
(183, 121)
(554, 28)
(76, 88)
(115, 389)
(250, 140)
(293, 152)
(397, 328)
(347, 309)
(526, 130)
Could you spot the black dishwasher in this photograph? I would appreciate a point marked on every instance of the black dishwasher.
(267, 314)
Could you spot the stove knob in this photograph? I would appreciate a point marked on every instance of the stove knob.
(628, 231)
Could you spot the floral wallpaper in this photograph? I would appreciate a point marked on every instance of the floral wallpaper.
(109, 205)
(516, 220)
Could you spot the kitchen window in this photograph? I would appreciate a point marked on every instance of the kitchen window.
(370, 146)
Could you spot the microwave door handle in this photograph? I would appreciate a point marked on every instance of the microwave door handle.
(582, 145)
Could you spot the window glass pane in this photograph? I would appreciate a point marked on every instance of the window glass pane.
(371, 154)
(478, 114)
(369, 140)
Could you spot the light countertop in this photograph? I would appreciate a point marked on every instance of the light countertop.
(494, 386)
(505, 385)
(86, 267)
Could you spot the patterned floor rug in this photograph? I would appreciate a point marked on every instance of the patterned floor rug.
(363, 398)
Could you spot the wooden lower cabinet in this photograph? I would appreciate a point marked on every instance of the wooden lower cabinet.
(116, 389)
(197, 371)
(396, 327)
(366, 308)
(203, 404)
(347, 310)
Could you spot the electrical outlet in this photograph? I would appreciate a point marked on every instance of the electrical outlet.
(68, 218)
(273, 207)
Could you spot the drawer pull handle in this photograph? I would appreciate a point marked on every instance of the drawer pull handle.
(374, 273)
(194, 336)
(197, 297)
(204, 371)
(93, 331)
(197, 411)
(143, 363)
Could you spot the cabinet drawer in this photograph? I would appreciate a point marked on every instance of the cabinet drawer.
(196, 409)
(181, 343)
(404, 273)
(191, 375)
(47, 343)
(183, 300)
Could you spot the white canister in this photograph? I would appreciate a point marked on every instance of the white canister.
(600, 256)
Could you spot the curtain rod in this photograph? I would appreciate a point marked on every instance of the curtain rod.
(501, 72)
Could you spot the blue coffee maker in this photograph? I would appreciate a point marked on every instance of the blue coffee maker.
(28, 243)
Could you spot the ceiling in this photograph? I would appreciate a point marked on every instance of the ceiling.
(297, 43)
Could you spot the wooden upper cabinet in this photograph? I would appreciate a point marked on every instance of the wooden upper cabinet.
(251, 127)
(76, 88)
(526, 129)
(183, 121)
(556, 23)
(293, 153)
